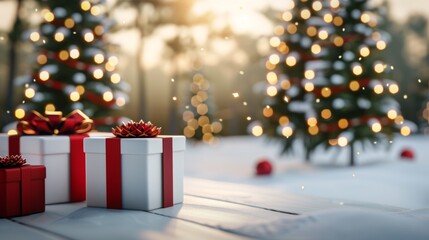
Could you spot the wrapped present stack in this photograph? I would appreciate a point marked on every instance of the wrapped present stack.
(57, 143)
(138, 169)
(22, 187)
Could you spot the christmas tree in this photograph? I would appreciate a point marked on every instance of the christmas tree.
(350, 96)
(73, 69)
(292, 73)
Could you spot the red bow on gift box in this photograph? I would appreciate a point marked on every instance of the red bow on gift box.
(54, 124)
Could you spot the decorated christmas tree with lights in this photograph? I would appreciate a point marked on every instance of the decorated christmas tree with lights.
(347, 93)
(292, 71)
(73, 69)
(199, 122)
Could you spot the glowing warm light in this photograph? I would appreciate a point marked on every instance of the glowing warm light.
(313, 130)
(379, 67)
(89, 37)
(85, 5)
(216, 127)
(108, 96)
(311, 31)
(12, 132)
(287, 131)
(338, 41)
(399, 120)
(80, 89)
(74, 53)
(376, 127)
(109, 67)
(274, 59)
(99, 58)
(312, 121)
(328, 18)
(309, 74)
(354, 85)
(309, 87)
(49, 16)
(69, 23)
(343, 123)
(323, 34)
(364, 51)
(335, 3)
(326, 113)
(42, 59)
(316, 49)
(333, 142)
(50, 107)
(305, 14)
(338, 21)
(96, 10)
(59, 36)
(272, 91)
(99, 30)
(188, 132)
(381, 45)
(120, 102)
(326, 92)
(257, 131)
(19, 113)
(267, 112)
(272, 78)
(365, 17)
(342, 141)
(202, 109)
(357, 70)
(291, 28)
(29, 93)
(405, 131)
(63, 55)
(287, 16)
(98, 73)
(235, 95)
(283, 120)
(285, 84)
(317, 6)
(291, 61)
(115, 78)
(74, 96)
(378, 89)
(44, 75)
(393, 88)
(34, 36)
(392, 114)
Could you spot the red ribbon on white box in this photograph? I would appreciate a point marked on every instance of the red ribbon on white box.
(114, 178)
(77, 164)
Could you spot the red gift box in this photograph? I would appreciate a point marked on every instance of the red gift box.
(22, 190)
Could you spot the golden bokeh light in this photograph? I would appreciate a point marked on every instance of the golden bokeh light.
(85, 5)
(285, 84)
(99, 58)
(338, 41)
(317, 6)
(311, 31)
(63, 55)
(323, 34)
(364, 51)
(326, 113)
(376, 127)
(59, 36)
(44, 75)
(327, 18)
(313, 130)
(291, 61)
(89, 37)
(257, 131)
(378, 89)
(30, 92)
(392, 114)
(42, 59)
(80, 89)
(381, 45)
(272, 78)
(357, 70)
(379, 67)
(267, 112)
(286, 16)
(271, 91)
(115, 78)
(98, 73)
(309, 86)
(69, 23)
(49, 16)
(120, 102)
(74, 53)
(393, 88)
(50, 107)
(354, 85)
(305, 14)
(274, 59)
(74, 96)
(309, 74)
(34, 36)
(275, 41)
(326, 92)
(283, 120)
(405, 131)
(343, 123)
(19, 113)
(316, 49)
(312, 121)
(342, 141)
(287, 131)
(108, 96)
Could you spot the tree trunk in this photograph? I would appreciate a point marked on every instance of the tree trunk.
(13, 41)
(352, 154)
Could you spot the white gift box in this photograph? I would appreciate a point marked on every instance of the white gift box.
(141, 171)
(54, 153)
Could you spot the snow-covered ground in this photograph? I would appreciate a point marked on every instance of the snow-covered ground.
(380, 175)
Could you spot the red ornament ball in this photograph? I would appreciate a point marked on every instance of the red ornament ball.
(407, 154)
(264, 167)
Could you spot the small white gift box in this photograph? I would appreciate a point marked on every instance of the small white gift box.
(65, 169)
(135, 173)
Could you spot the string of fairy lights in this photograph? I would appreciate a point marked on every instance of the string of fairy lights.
(275, 82)
(100, 67)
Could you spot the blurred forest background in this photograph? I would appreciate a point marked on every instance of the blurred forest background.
(165, 47)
